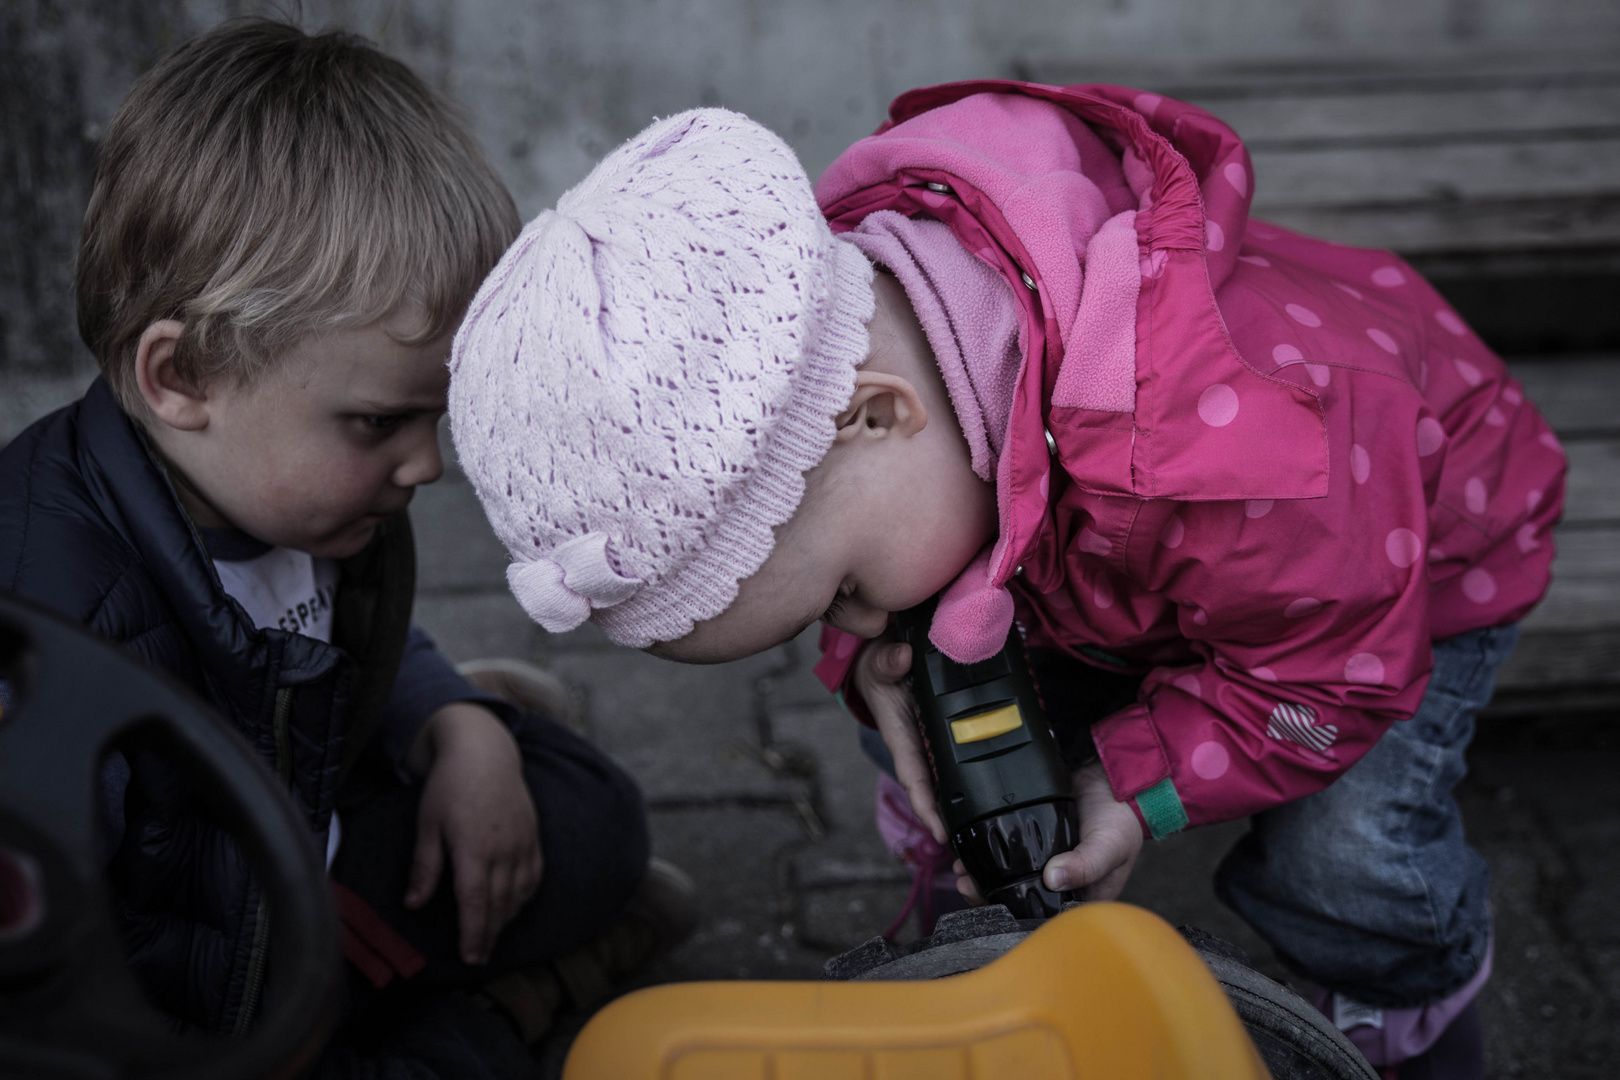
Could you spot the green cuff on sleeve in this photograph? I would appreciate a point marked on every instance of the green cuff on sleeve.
(1162, 810)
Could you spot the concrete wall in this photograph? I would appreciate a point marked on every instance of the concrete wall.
(550, 86)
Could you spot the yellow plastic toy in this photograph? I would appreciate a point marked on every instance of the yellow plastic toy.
(1101, 991)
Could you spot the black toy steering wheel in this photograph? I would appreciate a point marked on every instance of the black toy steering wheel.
(69, 1005)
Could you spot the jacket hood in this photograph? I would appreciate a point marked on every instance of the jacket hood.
(1002, 163)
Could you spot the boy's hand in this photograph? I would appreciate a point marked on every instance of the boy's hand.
(1110, 840)
(880, 674)
(475, 803)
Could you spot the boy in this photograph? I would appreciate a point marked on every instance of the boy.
(284, 232)
(1271, 488)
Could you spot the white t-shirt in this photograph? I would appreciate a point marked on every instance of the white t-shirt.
(284, 589)
(289, 590)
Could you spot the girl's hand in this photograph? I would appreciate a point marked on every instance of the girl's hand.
(880, 674)
(1110, 840)
(476, 805)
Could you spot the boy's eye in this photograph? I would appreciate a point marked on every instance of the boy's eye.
(383, 424)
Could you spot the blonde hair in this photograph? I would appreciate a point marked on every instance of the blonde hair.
(261, 184)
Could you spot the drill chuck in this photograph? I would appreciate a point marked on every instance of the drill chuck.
(1005, 795)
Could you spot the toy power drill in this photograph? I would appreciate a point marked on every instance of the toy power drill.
(1003, 790)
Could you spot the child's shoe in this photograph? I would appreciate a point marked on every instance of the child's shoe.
(1459, 1053)
(1388, 1037)
(524, 685)
(661, 915)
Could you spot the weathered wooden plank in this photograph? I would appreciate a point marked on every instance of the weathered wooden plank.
(1569, 654)
(1458, 154)
(1449, 227)
(1575, 393)
(1341, 74)
(1585, 593)
(1593, 492)
(1454, 115)
(1564, 168)
(1554, 667)
(1450, 198)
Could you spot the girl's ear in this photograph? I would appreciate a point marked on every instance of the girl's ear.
(170, 397)
(882, 405)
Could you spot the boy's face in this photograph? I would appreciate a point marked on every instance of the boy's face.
(890, 516)
(318, 452)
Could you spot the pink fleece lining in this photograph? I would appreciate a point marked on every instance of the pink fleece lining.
(973, 616)
(972, 319)
(969, 316)
(1099, 370)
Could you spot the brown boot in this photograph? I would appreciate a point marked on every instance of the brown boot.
(661, 915)
(527, 999)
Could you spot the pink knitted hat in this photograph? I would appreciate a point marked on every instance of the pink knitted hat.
(642, 382)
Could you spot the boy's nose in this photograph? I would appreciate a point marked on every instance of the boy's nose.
(424, 464)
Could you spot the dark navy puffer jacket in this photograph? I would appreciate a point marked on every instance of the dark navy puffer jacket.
(90, 527)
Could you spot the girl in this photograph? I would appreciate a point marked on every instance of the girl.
(1272, 486)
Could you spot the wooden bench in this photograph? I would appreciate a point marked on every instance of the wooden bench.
(1569, 656)
(1485, 156)
(1499, 178)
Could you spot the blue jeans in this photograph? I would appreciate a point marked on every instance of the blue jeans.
(1368, 887)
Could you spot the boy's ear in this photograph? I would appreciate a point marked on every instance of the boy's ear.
(171, 398)
(882, 405)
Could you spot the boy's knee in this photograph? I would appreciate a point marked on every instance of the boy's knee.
(592, 814)
(618, 822)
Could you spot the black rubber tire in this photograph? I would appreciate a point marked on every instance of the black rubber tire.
(1295, 1041)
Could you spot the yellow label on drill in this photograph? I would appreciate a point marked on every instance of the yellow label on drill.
(987, 725)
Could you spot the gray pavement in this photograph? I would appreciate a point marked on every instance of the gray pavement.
(757, 787)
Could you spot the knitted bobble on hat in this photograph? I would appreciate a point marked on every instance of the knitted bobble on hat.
(642, 382)
(558, 592)
(540, 591)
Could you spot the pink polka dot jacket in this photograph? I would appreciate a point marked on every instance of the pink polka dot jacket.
(1288, 468)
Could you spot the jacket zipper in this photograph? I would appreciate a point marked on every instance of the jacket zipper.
(261, 924)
